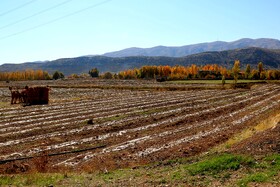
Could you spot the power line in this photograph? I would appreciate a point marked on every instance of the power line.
(36, 14)
(57, 19)
(19, 7)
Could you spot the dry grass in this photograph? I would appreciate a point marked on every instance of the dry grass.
(270, 122)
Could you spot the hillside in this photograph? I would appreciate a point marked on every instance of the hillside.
(196, 48)
(270, 58)
(247, 56)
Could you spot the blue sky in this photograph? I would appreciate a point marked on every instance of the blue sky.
(33, 30)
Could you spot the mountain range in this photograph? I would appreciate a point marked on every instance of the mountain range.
(248, 51)
(196, 48)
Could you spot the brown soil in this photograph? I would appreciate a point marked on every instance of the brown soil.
(128, 126)
(262, 143)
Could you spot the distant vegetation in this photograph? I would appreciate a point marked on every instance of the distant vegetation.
(160, 73)
(24, 75)
(210, 71)
(94, 72)
(58, 75)
(30, 75)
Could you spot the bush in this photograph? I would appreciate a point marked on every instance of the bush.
(107, 75)
(94, 72)
(58, 75)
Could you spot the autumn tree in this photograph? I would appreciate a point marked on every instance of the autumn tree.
(213, 71)
(247, 71)
(254, 75)
(276, 74)
(223, 71)
(269, 75)
(263, 75)
(46, 75)
(178, 73)
(236, 70)
(166, 71)
(25, 75)
(130, 74)
(260, 68)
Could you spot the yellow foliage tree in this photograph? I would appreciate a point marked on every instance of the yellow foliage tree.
(236, 70)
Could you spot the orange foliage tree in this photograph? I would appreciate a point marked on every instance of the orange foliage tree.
(208, 71)
(24, 75)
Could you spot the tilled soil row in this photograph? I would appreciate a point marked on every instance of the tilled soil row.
(134, 130)
(165, 134)
(114, 104)
(107, 130)
(67, 117)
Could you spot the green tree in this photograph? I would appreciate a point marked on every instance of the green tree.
(58, 75)
(236, 70)
(94, 72)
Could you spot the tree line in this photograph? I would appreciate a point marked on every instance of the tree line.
(29, 74)
(209, 71)
(24, 75)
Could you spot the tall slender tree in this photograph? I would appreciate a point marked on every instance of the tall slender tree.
(260, 68)
(247, 71)
(236, 70)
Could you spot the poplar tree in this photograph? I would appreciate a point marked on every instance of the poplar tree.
(247, 71)
(236, 70)
(260, 68)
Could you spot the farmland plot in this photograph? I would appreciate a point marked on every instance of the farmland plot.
(102, 128)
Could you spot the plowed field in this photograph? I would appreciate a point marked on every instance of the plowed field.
(100, 128)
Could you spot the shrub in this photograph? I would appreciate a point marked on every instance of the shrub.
(58, 75)
(107, 75)
(94, 72)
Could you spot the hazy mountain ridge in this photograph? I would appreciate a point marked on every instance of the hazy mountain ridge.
(253, 55)
(196, 48)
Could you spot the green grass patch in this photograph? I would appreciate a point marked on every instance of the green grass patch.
(36, 179)
(110, 176)
(218, 164)
(208, 170)
(274, 161)
(266, 170)
(256, 177)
